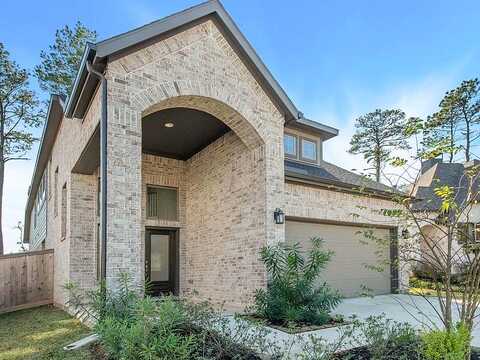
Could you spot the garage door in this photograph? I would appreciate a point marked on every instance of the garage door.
(348, 270)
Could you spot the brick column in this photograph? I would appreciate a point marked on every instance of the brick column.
(124, 190)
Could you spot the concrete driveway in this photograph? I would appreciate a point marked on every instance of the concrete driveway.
(415, 310)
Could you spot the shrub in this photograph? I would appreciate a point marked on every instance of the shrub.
(447, 345)
(291, 297)
(385, 339)
(133, 327)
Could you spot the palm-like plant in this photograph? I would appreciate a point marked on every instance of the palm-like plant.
(292, 295)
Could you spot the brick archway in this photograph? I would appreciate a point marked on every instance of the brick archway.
(245, 128)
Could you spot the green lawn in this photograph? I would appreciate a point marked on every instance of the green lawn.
(427, 288)
(40, 333)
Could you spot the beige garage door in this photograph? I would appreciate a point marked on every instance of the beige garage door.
(348, 270)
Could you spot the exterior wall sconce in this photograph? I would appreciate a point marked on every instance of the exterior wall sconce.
(405, 233)
(279, 216)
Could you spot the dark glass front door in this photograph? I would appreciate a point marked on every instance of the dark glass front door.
(161, 261)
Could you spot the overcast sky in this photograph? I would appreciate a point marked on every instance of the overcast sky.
(335, 59)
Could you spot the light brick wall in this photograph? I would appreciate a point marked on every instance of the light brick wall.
(314, 202)
(225, 223)
(198, 69)
(72, 137)
(83, 246)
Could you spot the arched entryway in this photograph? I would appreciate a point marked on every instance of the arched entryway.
(203, 200)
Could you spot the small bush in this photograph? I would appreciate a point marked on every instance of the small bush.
(385, 339)
(447, 345)
(133, 327)
(291, 297)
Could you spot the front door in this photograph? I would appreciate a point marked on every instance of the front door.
(161, 261)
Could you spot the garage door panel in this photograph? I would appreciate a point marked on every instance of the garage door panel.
(348, 269)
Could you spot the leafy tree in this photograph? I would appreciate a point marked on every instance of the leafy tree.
(455, 122)
(377, 134)
(19, 113)
(60, 63)
(438, 226)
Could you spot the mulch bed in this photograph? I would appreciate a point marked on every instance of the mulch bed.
(299, 328)
(97, 352)
(362, 353)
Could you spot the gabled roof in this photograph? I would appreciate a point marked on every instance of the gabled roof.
(441, 174)
(330, 174)
(98, 53)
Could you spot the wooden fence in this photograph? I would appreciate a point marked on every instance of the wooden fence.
(26, 280)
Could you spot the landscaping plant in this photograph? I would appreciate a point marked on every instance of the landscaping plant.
(386, 339)
(293, 296)
(447, 345)
(136, 327)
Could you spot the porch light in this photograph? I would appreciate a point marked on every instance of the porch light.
(279, 216)
(169, 125)
(405, 233)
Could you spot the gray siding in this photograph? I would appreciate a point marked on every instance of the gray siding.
(38, 217)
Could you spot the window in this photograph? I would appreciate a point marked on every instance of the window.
(290, 145)
(55, 193)
(162, 203)
(98, 253)
(99, 195)
(64, 212)
(301, 148)
(49, 171)
(468, 233)
(308, 150)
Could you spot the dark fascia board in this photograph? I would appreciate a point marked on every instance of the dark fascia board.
(52, 123)
(294, 176)
(104, 49)
(326, 132)
(80, 80)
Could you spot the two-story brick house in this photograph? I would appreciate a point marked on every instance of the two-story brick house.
(171, 159)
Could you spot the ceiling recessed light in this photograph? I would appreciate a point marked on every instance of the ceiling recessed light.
(169, 125)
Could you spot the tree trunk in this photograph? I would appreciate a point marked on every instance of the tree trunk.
(467, 142)
(448, 281)
(378, 165)
(2, 174)
(452, 144)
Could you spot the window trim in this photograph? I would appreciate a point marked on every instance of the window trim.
(63, 212)
(474, 232)
(314, 141)
(177, 190)
(55, 193)
(292, 156)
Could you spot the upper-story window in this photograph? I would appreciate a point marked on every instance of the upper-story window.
(301, 148)
(308, 150)
(290, 145)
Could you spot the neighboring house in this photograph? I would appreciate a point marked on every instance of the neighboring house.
(202, 153)
(435, 173)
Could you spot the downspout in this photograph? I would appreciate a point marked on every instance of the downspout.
(103, 170)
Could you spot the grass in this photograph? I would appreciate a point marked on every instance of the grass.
(40, 334)
(426, 287)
